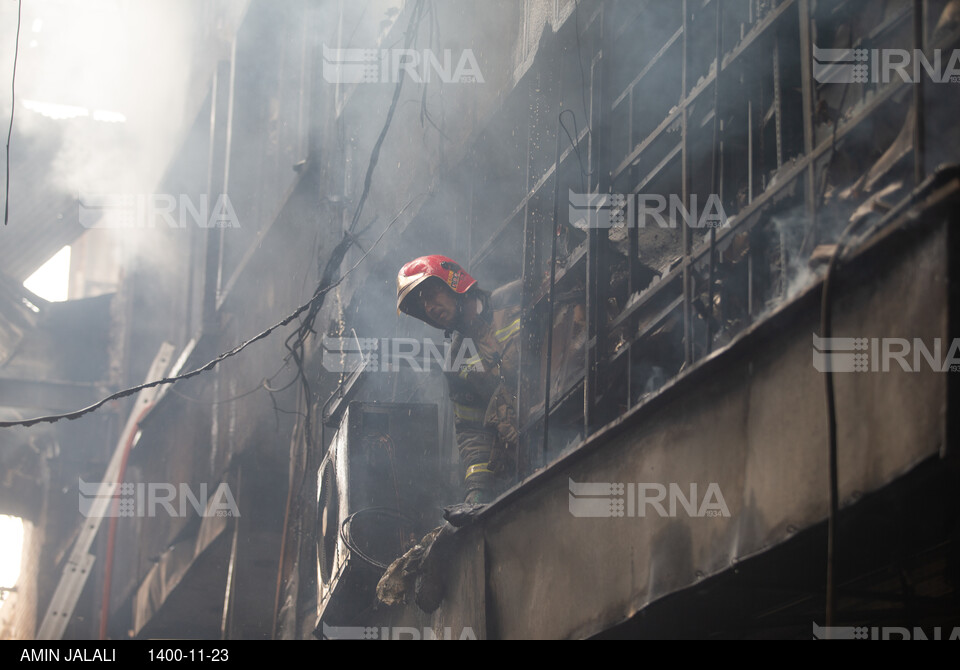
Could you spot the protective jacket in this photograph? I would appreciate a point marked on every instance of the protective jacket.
(483, 391)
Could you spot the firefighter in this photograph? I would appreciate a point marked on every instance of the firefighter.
(485, 329)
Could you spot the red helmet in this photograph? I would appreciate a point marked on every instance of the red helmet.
(414, 273)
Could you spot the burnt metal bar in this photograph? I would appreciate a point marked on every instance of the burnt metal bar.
(529, 323)
(528, 327)
(685, 188)
(550, 300)
(593, 308)
(919, 129)
(716, 187)
(777, 103)
(808, 95)
(750, 152)
(950, 446)
(221, 112)
(759, 29)
(217, 161)
(550, 82)
(634, 251)
(603, 184)
(747, 218)
(595, 314)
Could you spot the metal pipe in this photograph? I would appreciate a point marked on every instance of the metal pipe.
(809, 94)
(685, 230)
(714, 174)
(919, 129)
(552, 293)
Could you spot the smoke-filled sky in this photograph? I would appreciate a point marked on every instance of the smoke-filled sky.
(120, 67)
(105, 91)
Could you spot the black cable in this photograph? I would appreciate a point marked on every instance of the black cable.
(13, 103)
(216, 402)
(295, 343)
(375, 154)
(295, 509)
(424, 112)
(575, 138)
(320, 292)
(826, 328)
(264, 385)
(348, 538)
(349, 237)
(169, 380)
(286, 411)
(270, 389)
(826, 331)
(574, 142)
(583, 83)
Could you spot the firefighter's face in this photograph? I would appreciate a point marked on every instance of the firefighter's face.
(439, 303)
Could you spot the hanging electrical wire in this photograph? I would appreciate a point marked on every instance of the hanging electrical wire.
(13, 100)
(583, 96)
(349, 542)
(295, 343)
(321, 291)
